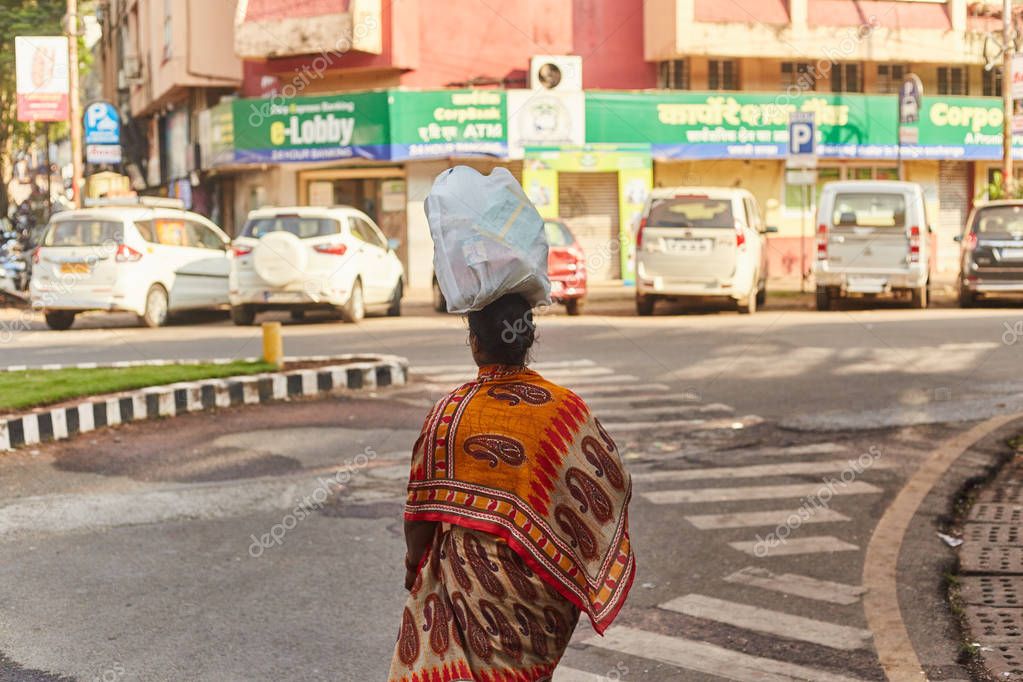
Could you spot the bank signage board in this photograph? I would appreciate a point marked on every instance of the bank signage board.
(437, 123)
(328, 128)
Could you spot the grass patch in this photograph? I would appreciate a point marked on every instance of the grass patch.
(32, 388)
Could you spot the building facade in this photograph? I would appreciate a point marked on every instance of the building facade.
(590, 103)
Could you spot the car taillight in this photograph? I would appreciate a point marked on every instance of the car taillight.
(332, 249)
(914, 244)
(238, 251)
(35, 255)
(126, 254)
(639, 233)
(822, 242)
(970, 243)
(740, 236)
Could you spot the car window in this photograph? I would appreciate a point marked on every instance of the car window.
(691, 211)
(171, 232)
(869, 210)
(145, 228)
(202, 237)
(998, 221)
(301, 227)
(557, 235)
(367, 233)
(84, 232)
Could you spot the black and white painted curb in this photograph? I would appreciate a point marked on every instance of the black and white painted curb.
(40, 426)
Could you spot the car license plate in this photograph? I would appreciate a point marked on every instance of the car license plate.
(74, 268)
(688, 245)
(1012, 254)
(282, 297)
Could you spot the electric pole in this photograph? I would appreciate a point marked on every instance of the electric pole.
(1007, 55)
(75, 106)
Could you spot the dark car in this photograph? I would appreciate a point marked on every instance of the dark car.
(991, 252)
(566, 268)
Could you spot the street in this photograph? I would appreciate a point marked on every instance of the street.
(763, 449)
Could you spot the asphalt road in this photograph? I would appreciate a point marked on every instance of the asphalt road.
(158, 551)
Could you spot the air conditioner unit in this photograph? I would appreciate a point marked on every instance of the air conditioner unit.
(131, 65)
(556, 72)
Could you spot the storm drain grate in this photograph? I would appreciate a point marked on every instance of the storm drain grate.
(992, 624)
(987, 512)
(1003, 661)
(983, 558)
(991, 590)
(1011, 493)
(993, 533)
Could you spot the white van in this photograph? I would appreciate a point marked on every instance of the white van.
(700, 242)
(872, 239)
(142, 255)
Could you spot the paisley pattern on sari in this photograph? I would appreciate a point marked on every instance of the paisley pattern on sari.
(533, 501)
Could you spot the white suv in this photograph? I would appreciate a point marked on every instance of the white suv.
(701, 242)
(149, 257)
(312, 258)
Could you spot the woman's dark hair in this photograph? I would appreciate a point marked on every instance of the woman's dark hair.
(504, 330)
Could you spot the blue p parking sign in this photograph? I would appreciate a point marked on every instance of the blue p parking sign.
(802, 139)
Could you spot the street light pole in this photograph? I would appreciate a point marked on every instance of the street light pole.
(75, 107)
(1007, 55)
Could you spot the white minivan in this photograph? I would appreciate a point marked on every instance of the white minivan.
(872, 239)
(304, 258)
(701, 242)
(142, 255)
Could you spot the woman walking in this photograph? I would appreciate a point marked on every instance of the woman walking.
(515, 522)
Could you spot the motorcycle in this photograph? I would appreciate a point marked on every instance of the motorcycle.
(14, 267)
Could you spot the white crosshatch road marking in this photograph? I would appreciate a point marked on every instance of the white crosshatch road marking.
(757, 492)
(771, 622)
(816, 544)
(797, 585)
(707, 658)
(762, 518)
(754, 471)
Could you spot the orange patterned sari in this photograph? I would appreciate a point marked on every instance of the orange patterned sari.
(532, 498)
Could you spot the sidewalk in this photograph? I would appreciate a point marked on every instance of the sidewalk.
(991, 573)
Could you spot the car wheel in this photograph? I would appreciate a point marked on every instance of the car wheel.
(394, 310)
(243, 315)
(748, 306)
(967, 298)
(155, 314)
(574, 306)
(645, 305)
(824, 301)
(297, 315)
(355, 309)
(439, 304)
(59, 320)
(919, 300)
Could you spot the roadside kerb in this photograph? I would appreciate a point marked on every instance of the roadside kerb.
(168, 400)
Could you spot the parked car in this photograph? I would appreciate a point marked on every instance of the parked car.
(872, 239)
(566, 268)
(991, 252)
(146, 256)
(701, 242)
(311, 258)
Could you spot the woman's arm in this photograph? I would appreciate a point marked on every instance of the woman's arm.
(418, 536)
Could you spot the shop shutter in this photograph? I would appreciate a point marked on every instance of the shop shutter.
(588, 203)
(953, 208)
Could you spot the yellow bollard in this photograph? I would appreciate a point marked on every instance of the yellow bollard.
(273, 344)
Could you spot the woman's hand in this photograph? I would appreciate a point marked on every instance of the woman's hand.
(410, 579)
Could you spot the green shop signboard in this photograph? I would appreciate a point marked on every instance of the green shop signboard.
(705, 125)
(635, 178)
(324, 128)
(448, 123)
(968, 128)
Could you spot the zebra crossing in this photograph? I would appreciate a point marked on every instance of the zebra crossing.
(737, 491)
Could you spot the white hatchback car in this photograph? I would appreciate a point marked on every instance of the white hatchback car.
(313, 258)
(149, 257)
(697, 242)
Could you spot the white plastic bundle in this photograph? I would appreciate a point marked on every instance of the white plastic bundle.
(488, 239)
